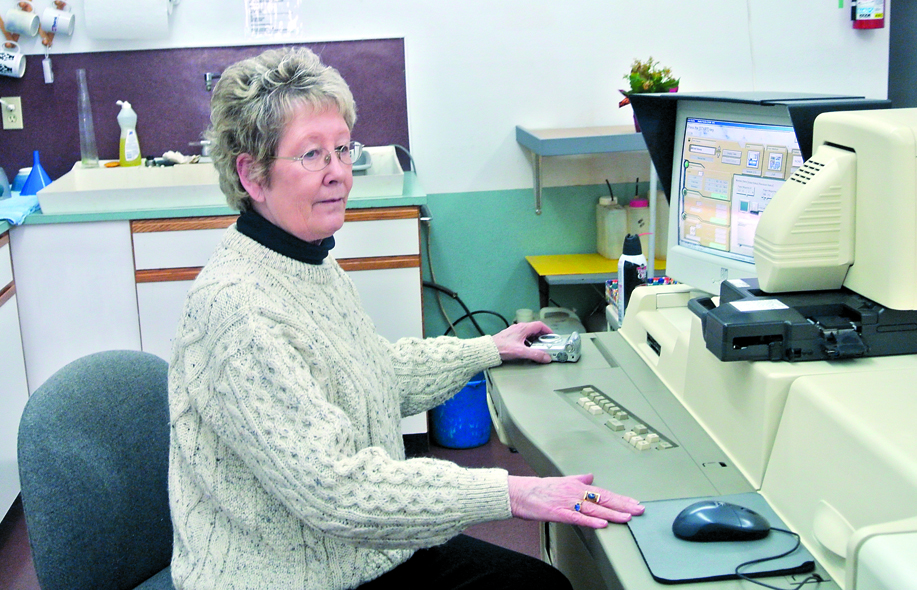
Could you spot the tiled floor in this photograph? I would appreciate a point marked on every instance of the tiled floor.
(17, 573)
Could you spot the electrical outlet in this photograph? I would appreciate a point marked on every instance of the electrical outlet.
(12, 118)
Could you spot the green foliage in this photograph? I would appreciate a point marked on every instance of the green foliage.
(649, 76)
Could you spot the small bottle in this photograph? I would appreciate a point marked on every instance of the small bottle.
(631, 273)
(129, 148)
(611, 227)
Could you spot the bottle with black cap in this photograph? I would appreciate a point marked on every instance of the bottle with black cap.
(631, 272)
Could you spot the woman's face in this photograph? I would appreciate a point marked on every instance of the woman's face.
(308, 205)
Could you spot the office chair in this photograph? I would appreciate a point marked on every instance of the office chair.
(93, 464)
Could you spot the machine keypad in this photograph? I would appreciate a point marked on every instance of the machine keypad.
(617, 419)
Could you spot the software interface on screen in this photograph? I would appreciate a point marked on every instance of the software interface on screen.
(730, 171)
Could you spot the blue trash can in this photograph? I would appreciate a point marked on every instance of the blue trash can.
(463, 422)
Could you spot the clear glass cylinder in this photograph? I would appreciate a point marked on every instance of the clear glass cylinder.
(89, 156)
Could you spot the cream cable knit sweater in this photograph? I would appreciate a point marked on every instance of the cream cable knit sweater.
(287, 466)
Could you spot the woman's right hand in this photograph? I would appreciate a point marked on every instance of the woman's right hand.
(555, 499)
(513, 342)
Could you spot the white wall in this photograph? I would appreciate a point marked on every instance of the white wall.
(476, 69)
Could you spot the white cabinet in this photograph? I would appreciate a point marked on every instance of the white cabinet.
(160, 304)
(379, 248)
(84, 287)
(168, 254)
(75, 286)
(14, 391)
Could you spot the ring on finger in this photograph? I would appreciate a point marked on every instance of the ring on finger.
(578, 506)
(592, 497)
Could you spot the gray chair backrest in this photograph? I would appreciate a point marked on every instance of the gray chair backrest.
(93, 465)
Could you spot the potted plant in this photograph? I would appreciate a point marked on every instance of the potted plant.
(648, 76)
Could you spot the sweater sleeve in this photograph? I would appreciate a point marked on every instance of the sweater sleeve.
(265, 403)
(429, 371)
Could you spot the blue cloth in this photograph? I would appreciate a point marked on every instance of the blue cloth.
(17, 208)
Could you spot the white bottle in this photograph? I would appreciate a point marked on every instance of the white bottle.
(631, 273)
(129, 148)
(610, 226)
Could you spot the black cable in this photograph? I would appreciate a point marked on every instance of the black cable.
(454, 295)
(813, 578)
(469, 315)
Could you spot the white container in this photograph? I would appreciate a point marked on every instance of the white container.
(384, 178)
(631, 273)
(611, 227)
(561, 320)
(638, 221)
(102, 190)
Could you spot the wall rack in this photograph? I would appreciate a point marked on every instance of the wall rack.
(542, 143)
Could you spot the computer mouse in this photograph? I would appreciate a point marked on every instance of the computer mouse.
(713, 520)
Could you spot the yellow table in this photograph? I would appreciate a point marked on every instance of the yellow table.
(576, 269)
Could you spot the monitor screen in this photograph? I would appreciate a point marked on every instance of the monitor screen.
(730, 160)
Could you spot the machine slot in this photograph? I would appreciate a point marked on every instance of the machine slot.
(653, 344)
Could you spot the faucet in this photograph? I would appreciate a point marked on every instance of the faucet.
(209, 79)
(205, 147)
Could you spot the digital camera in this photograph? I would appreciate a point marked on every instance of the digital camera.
(562, 348)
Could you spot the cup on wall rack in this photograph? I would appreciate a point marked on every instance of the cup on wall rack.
(57, 21)
(12, 60)
(22, 22)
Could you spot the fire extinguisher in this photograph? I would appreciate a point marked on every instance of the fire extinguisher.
(867, 14)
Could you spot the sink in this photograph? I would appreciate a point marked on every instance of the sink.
(100, 190)
(384, 178)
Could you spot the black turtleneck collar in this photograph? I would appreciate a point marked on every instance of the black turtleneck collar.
(256, 227)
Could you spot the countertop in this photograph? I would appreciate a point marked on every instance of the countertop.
(413, 195)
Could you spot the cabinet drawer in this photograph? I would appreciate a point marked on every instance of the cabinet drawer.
(6, 265)
(176, 243)
(189, 242)
(366, 236)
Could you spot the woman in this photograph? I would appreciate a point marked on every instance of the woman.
(287, 466)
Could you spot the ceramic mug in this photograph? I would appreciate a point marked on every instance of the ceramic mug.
(22, 22)
(12, 60)
(57, 21)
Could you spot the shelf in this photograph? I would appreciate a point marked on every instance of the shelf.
(580, 140)
(542, 143)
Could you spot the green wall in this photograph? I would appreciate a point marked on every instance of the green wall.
(479, 241)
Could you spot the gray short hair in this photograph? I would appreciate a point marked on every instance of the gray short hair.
(252, 104)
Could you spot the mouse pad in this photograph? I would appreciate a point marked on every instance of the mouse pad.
(674, 561)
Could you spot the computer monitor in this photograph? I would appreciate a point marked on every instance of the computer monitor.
(729, 161)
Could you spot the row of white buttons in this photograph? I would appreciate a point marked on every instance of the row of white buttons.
(596, 404)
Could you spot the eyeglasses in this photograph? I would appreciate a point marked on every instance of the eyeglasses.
(319, 158)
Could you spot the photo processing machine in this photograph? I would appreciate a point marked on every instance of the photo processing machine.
(653, 413)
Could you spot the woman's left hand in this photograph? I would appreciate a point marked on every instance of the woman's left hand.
(513, 342)
(570, 500)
